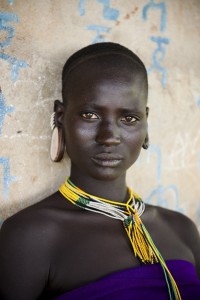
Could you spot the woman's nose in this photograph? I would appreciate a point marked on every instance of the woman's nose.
(108, 134)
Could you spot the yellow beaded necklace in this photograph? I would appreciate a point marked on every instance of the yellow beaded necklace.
(129, 213)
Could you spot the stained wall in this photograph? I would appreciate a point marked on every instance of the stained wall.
(36, 37)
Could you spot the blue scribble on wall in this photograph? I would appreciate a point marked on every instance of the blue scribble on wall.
(155, 149)
(15, 63)
(159, 193)
(158, 56)
(7, 178)
(109, 13)
(159, 6)
(198, 101)
(4, 109)
(11, 2)
(99, 30)
(81, 7)
(6, 17)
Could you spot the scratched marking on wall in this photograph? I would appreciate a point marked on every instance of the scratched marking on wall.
(108, 13)
(184, 151)
(7, 178)
(159, 53)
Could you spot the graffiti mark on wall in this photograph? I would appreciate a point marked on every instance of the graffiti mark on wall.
(157, 6)
(198, 101)
(184, 151)
(159, 53)
(4, 109)
(99, 31)
(6, 27)
(81, 7)
(155, 149)
(15, 63)
(7, 178)
(167, 196)
(11, 2)
(108, 13)
(158, 57)
(5, 19)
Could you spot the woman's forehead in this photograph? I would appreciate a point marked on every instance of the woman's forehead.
(108, 68)
(104, 72)
(99, 85)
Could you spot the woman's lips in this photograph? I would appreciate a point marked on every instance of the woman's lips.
(107, 159)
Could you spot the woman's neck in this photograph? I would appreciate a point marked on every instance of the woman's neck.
(115, 190)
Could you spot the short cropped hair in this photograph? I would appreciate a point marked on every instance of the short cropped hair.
(94, 50)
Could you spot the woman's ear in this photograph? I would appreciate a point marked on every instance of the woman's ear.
(59, 113)
(147, 111)
(57, 148)
(146, 141)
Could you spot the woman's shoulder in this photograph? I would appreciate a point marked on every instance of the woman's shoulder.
(176, 219)
(44, 210)
(31, 213)
(28, 242)
(41, 218)
(182, 226)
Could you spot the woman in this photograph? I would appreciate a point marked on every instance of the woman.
(58, 250)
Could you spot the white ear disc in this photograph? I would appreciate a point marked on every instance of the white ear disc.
(57, 147)
(52, 121)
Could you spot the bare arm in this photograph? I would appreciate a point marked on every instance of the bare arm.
(192, 237)
(24, 263)
(188, 231)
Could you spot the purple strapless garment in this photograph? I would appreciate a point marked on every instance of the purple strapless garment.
(140, 283)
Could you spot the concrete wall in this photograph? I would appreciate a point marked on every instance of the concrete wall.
(36, 37)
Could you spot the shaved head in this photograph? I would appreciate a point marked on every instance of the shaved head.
(107, 57)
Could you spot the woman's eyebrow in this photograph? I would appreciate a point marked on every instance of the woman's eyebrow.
(104, 106)
(131, 110)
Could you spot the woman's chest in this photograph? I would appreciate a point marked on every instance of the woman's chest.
(91, 250)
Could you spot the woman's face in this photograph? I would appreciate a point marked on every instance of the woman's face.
(105, 120)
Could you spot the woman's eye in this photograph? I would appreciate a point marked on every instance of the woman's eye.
(129, 119)
(89, 116)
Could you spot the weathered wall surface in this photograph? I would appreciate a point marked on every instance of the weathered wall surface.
(36, 37)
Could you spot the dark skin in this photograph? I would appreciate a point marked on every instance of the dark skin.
(54, 246)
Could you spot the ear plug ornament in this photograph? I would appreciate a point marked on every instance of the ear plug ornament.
(57, 147)
(146, 143)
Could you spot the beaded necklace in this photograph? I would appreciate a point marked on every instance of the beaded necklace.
(129, 213)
